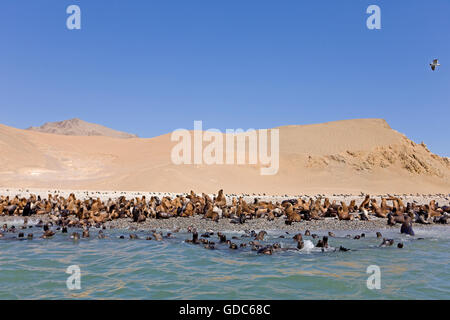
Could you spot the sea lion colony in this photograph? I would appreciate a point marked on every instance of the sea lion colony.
(72, 212)
(76, 212)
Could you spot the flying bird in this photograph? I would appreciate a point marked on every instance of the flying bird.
(434, 64)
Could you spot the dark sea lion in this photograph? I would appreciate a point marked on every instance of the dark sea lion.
(407, 227)
(379, 234)
(400, 245)
(323, 243)
(387, 242)
(233, 246)
(341, 248)
(298, 237)
(222, 237)
(268, 250)
(47, 232)
(30, 236)
(27, 210)
(443, 219)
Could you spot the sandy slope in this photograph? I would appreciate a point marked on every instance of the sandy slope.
(350, 156)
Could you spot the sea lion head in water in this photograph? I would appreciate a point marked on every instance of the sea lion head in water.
(260, 235)
(266, 250)
(323, 243)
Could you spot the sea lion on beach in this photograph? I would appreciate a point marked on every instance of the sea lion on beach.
(343, 212)
(365, 203)
(393, 219)
(220, 201)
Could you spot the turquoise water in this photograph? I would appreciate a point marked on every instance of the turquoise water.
(140, 269)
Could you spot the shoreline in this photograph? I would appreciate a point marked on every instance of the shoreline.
(224, 224)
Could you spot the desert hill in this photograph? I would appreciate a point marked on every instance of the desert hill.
(78, 127)
(350, 156)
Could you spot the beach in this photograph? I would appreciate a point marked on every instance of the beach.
(202, 224)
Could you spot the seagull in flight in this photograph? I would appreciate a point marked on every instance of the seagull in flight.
(434, 64)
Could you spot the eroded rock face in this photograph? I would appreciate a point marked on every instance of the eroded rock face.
(78, 127)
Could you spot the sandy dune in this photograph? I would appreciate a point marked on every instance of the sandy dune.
(349, 156)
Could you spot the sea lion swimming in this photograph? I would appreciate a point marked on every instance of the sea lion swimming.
(85, 233)
(101, 235)
(75, 236)
(260, 235)
(297, 237)
(47, 232)
(323, 243)
(268, 250)
(233, 246)
(387, 242)
(158, 236)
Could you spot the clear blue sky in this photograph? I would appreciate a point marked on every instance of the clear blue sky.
(149, 67)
